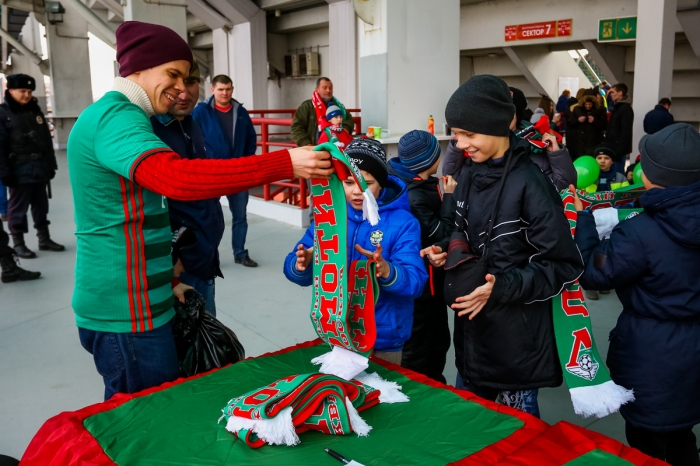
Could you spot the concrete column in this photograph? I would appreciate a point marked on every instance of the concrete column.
(543, 68)
(170, 13)
(248, 61)
(409, 63)
(241, 54)
(653, 59)
(30, 38)
(70, 78)
(342, 62)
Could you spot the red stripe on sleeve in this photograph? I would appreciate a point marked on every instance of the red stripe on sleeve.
(168, 174)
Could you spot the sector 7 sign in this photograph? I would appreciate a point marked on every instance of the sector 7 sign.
(543, 30)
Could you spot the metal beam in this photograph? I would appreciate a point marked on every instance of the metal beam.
(207, 14)
(236, 11)
(21, 48)
(95, 21)
(313, 18)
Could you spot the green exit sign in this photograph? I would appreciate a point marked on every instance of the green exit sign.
(617, 29)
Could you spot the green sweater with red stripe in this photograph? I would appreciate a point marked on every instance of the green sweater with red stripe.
(123, 267)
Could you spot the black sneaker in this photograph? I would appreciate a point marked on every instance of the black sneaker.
(247, 262)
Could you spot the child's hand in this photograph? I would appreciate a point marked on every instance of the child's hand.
(303, 257)
(383, 269)
(577, 202)
(448, 184)
(553, 144)
(435, 255)
(474, 302)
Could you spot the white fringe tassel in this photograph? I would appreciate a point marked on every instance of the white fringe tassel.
(600, 400)
(370, 209)
(359, 426)
(341, 363)
(276, 431)
(390, 392)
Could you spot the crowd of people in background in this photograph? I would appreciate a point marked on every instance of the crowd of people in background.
(498, 190)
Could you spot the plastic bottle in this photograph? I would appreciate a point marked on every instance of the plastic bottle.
(431, 125)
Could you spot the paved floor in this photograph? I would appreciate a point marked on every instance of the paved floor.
(45, 370)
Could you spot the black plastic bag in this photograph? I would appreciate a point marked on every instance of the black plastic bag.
(202, 342)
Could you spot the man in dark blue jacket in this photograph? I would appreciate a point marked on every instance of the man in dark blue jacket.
(197, 226)
(653, 263)
(229, 133)
(659, 118)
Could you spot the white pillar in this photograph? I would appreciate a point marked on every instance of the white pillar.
(171, 13)
(653, 59)
(342, 62)
(409, 63)
(248, 62)
(241, 54)
(71, 85)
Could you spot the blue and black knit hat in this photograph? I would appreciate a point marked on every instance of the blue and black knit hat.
(418, 150)
(333, 111)
(369, 155)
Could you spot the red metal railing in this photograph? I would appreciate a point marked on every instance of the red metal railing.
(295, 191)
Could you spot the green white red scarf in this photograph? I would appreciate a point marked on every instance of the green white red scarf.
(277, 413)
(344, 295)
(320, 108)
(593, 393)
(617, 198)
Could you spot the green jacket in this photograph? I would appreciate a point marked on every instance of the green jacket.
(305, 124)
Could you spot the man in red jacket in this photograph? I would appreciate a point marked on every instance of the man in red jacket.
(122, 174)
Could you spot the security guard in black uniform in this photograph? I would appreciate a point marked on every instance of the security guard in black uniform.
(27, 163)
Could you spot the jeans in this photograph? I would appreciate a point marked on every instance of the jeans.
(131, 362)
(523, 400)
(238, 203)
(3, 199)
(203, 287)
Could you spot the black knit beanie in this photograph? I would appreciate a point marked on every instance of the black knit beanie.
(520, 103)
(481, 105)
(671, 157)
(369, 155)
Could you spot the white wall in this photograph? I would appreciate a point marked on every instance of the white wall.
(291, 92)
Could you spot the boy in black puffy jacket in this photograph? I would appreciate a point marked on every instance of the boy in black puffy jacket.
(653, 263)
(504, 336)
(419, 156)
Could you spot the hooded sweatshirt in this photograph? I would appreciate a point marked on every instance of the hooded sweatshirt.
(653, 263)
(399, 234)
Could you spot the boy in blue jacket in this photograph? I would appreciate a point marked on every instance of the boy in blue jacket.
(394, 243)
(653, 263)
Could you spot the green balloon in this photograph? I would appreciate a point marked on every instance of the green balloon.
(587, 170)
(637, 174)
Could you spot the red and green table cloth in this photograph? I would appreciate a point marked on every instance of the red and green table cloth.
(176, 424)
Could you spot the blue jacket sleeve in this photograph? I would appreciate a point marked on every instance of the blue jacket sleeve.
(408, 276)
(304, 278)
(614, 262)
(251, 138)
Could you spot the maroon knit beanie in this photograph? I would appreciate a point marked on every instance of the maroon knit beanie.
(141, 46)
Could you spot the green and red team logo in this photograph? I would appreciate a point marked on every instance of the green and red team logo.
(581, 361)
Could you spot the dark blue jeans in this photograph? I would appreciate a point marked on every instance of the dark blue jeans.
(3, 199)
(203, 287)
(238, 204)
(131, 362)
(524, 400)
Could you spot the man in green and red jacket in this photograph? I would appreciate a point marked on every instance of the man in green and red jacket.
(122, 174)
